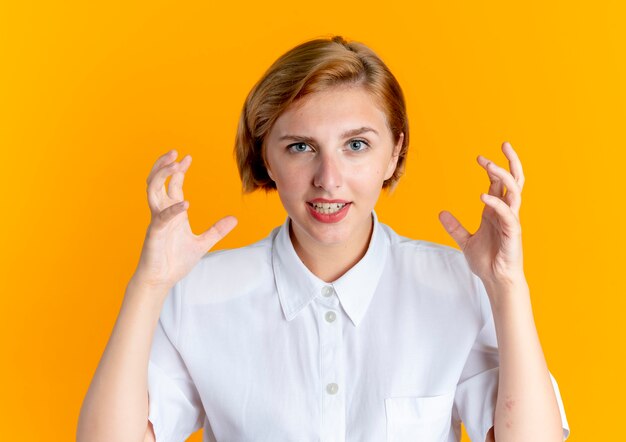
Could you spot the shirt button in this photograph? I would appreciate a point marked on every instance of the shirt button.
(332, 388)
(327, 291)
(330, 316)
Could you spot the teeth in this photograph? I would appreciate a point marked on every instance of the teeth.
(328, 208)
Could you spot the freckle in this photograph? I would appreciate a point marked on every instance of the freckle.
(509, 404)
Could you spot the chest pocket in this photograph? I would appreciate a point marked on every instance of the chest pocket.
(419, 419)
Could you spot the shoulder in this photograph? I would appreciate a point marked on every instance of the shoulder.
(435, 265)
(224, 273)
(241, 258)
(423, 252)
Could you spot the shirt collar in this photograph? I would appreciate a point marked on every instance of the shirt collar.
(297, 286)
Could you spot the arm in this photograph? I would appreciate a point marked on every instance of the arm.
(116, 404)
(526, 406)
(490, 437)
(149, 437)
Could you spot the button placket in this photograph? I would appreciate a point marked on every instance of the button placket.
(330, 316)
(332, 365)
(328, 297)
(332, 388)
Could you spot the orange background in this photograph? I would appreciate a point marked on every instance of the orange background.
(91, 94)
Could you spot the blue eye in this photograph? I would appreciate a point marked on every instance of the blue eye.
(299, 147)
(358, 145)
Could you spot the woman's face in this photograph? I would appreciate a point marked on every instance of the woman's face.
(329, 154)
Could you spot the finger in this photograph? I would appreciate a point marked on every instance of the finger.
(166, 215)
(156, 187)
(508, 221)
(217, 231)
(496, 187)
(454, 228)
(515, 165)
(513, 195)
(175, 186)
(163, 160)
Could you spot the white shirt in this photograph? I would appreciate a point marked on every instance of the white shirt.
(252, 346)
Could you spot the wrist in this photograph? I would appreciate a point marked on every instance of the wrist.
(138, 290)
(145, 283)
(508, 283)
(508, 293)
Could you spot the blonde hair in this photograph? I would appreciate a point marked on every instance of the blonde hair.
(311, 67)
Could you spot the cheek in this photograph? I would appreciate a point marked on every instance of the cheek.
(370, 172)
(288, 178)
(366, 181)
(290, 184)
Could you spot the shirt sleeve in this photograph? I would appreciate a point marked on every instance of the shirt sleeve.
(476, 392)
(175, 407)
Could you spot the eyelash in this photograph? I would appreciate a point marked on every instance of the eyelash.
(291, 146)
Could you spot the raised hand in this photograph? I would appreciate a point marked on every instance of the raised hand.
(494, 251)
(170, 248)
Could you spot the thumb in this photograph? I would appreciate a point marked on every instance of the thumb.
(217, 231)
(454, 228)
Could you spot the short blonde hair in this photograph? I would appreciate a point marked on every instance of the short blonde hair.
(310, 67)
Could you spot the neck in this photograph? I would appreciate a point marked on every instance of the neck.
(329, 263)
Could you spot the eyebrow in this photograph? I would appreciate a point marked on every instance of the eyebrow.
(346, 134)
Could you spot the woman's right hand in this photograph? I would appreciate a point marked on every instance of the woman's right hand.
(170, 248)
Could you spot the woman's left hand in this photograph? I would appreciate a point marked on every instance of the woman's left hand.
(494, 251)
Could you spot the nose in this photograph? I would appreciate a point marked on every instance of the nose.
(328, 174)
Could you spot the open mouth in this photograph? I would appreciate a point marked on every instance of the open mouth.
(327, 208)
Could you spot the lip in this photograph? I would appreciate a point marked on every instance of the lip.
(323, 200)
(331, 217)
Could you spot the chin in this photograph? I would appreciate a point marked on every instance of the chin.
(332, 238)
(331, 234)
(328, 234)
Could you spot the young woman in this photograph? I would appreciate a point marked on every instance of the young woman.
(333, 327)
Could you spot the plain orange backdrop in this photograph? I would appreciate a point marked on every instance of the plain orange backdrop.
(91, 93)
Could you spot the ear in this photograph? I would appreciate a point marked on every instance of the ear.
(395, 155)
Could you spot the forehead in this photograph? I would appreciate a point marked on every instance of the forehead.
(331, 111)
